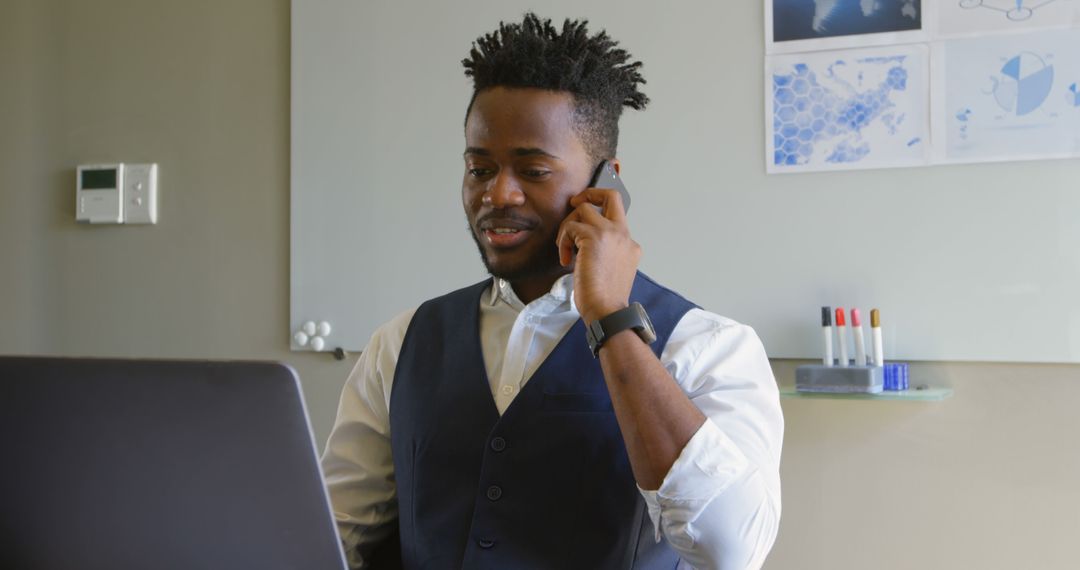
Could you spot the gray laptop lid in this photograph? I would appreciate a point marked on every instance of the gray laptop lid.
(152, 464)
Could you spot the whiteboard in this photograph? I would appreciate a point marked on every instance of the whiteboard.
(972, 262)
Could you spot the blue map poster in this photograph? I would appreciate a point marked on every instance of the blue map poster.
(1012, 97)
(807, 25)
(840, 110)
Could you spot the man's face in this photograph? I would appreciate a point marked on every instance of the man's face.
(523, 163)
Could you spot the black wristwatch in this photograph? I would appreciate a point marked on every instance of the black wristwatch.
(632, 317)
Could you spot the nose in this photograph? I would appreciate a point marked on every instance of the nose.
(503, 191)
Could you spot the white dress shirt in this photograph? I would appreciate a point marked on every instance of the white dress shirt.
(718, 506)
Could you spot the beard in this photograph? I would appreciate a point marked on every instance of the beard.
(543, 262)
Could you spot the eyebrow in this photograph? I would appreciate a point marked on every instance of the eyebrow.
(521, 151)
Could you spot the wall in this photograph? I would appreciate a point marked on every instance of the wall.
(985, 479)
(200, 87)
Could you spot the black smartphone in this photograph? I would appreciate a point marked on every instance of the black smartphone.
(606, 177)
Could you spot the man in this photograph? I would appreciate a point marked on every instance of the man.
(488, 429)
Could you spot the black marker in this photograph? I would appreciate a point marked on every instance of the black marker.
(826, 327)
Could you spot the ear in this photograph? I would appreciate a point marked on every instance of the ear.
(616, 165)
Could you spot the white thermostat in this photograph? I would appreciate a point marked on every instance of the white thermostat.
(116, 194)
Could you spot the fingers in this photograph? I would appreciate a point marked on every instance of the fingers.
(585, 221)
(609, 201)
(588, 213)
(570, 233)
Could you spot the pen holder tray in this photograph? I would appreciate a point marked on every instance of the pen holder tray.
(839, 379)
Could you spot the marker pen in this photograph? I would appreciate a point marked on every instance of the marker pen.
(841, 335)
(875, 331)
(826, 328)
(860, 346)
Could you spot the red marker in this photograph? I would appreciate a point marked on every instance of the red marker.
(841, 335)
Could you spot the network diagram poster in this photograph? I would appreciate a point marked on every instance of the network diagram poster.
(838, 110)
(809, 25)
(978, 17)
(1011, 97)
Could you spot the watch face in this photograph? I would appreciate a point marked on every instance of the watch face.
(647, 333)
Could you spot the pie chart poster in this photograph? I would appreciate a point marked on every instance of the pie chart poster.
(1012, 97)
(819, 19)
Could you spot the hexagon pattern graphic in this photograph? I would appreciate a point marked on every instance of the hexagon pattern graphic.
(805, 112)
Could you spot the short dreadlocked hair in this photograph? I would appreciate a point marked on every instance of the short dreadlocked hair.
(593, 69)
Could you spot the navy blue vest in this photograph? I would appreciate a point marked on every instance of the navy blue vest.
(547, 485)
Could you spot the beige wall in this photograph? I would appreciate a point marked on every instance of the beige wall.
(986, 479)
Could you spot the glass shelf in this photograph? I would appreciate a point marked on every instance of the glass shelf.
(925, 395)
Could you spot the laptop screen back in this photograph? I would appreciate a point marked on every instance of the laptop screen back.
(150, 464)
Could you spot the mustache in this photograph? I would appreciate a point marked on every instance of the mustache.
(505, 217)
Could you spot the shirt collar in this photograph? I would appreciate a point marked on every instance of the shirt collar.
(561, 293)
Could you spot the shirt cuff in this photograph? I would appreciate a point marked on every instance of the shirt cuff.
(709, 463)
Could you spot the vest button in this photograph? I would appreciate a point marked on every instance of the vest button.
(498, 444)
(494, 492)
(485, 543)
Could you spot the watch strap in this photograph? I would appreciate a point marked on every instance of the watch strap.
(632, 317)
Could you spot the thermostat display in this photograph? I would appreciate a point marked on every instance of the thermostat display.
(98, 194)
(100, 179)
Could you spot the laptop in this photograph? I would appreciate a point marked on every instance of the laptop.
(117, 464)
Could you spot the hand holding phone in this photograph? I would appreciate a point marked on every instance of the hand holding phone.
(599, 246)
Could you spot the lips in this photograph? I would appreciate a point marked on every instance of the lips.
(500, 239)
(505, 232)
